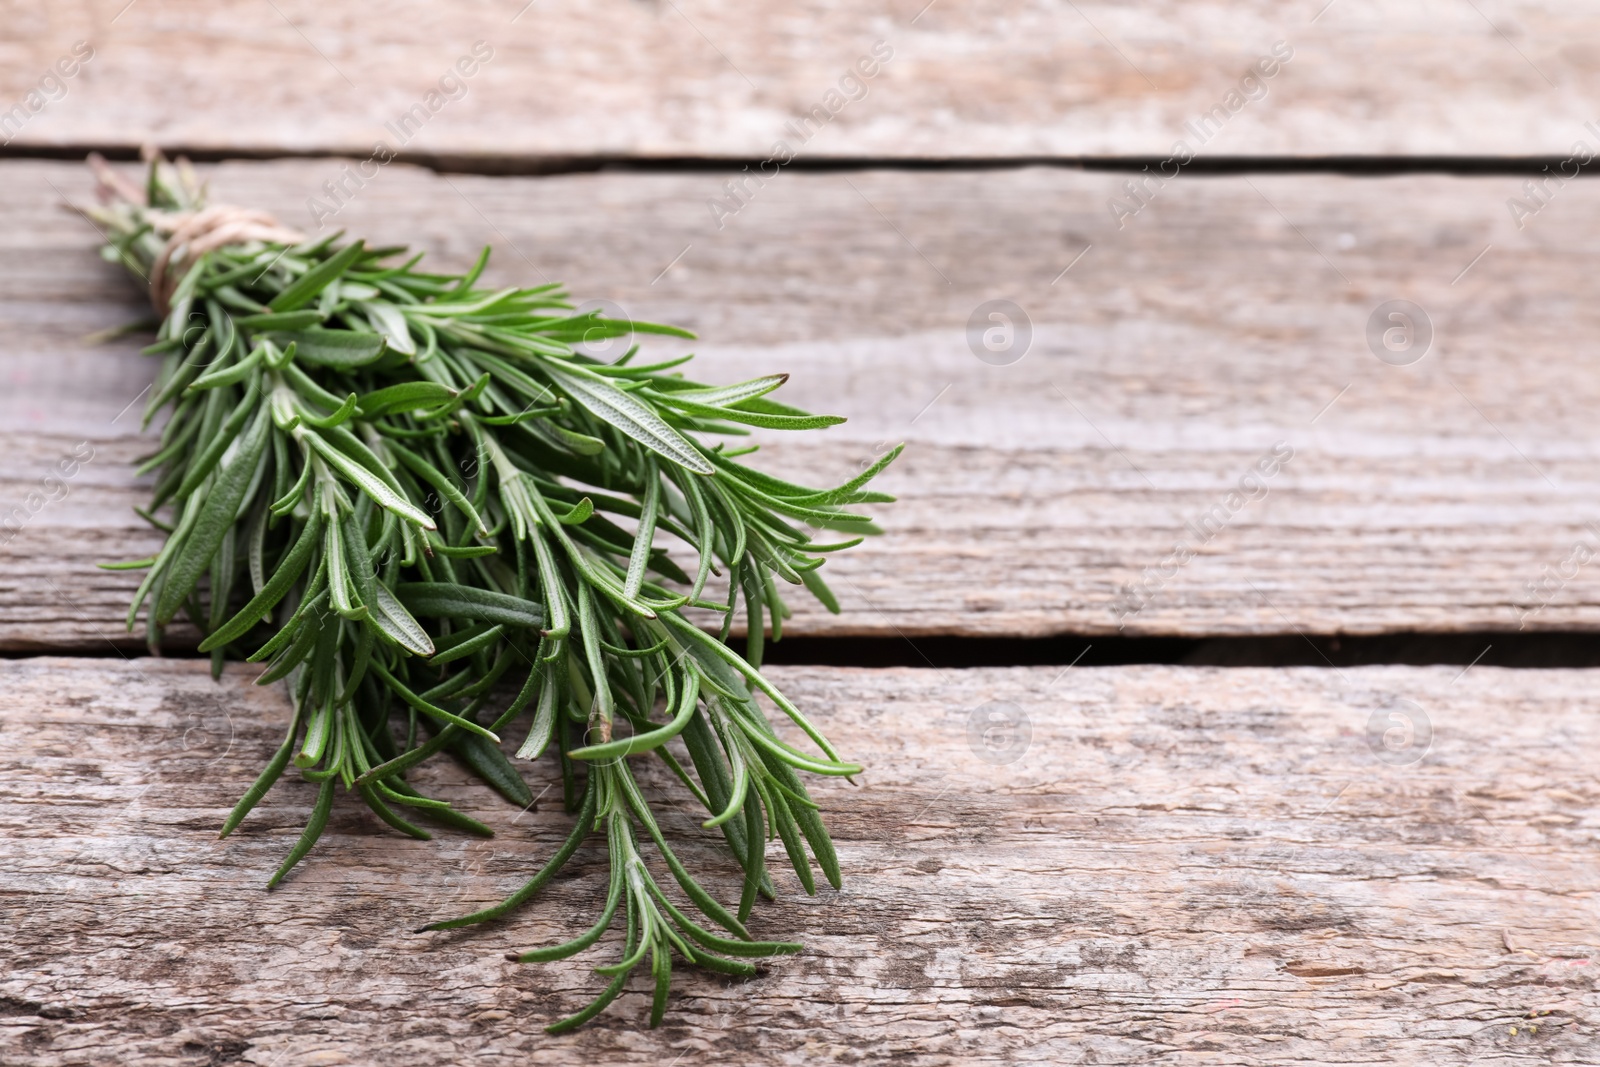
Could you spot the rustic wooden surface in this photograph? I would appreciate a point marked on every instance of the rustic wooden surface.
(1164, 364)
(696, 78)
(1180, 865)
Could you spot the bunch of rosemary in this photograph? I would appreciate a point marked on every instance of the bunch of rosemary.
(408, 494)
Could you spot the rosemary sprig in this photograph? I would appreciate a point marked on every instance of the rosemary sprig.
(401, 490)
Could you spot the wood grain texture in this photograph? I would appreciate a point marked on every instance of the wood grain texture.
(708, 78)
(1046, 496)
(1179, 865)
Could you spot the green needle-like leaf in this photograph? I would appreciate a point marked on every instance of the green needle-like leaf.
(451, 601)
(305, 288)
(337, 349)
(610, 404)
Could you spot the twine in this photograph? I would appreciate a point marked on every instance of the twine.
(191, 234)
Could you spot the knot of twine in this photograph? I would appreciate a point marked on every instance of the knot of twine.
(191, 234)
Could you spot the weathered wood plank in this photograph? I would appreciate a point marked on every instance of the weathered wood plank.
(1042, 497)
(1179, 865)
(615, 78)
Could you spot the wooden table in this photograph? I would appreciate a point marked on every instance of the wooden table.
(1204, 436)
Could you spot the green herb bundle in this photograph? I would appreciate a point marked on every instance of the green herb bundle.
(411, 496)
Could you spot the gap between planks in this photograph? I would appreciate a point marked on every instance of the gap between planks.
(485, 165)
(1532, 650)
